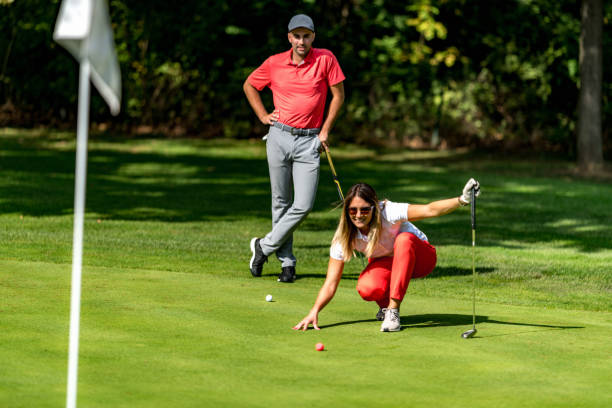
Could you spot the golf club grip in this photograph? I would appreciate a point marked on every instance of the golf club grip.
(473, 207)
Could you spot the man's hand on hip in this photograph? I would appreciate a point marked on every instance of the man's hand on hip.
(270, 118)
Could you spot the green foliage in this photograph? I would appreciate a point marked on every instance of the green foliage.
(496, 73)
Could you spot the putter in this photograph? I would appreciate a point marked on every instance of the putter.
(333, 169)
(470, 333)
(337, 182)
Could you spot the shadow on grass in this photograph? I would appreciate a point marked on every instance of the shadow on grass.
(520, 203)
(136, 186)
(345, 276)
(444, 320)
(438, 272)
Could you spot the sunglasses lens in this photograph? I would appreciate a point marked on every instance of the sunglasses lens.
(364, 211)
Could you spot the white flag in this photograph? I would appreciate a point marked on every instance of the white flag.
(83, 28)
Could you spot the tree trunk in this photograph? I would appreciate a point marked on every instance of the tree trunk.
(590, 152)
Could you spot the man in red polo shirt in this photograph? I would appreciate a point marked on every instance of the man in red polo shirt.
(299, 128)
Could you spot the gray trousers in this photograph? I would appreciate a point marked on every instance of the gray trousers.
(293, 162)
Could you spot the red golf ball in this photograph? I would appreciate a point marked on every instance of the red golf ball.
(320, 347)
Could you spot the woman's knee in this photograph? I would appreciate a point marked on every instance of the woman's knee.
(405, 240)
(405, 237)
(370, 292)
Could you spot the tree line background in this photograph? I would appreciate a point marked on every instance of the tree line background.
(502, 74)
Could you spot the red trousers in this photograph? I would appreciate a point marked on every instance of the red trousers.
(388, 277)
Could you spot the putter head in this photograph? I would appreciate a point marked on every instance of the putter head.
(469, 334)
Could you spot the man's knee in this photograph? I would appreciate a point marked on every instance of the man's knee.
(301, 210)
(280, 203)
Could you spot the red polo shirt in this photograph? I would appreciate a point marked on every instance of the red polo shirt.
(299, 91)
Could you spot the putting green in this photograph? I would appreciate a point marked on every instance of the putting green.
(172, 318)
(157, 339)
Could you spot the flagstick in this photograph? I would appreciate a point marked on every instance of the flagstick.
(77, 242)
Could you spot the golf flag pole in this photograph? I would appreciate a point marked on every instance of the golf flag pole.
(83, 28)
(77, 240)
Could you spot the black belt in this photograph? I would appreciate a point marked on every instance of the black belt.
(296, 131)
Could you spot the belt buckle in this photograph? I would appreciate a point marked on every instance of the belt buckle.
(293, 131)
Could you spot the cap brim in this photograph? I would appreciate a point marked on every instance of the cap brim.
(295, 28)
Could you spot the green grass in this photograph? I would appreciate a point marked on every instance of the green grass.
(171, 316)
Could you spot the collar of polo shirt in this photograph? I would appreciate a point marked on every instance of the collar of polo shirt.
(309, 57)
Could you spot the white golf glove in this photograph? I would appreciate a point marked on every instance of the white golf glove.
(466, 196)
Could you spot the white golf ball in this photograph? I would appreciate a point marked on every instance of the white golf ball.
(269, 298)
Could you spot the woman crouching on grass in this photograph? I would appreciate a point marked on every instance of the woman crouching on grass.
(397, 250)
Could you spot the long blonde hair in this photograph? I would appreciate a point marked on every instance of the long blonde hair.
(347, 231)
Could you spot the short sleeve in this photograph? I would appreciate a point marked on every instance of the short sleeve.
(335, 252)
(396, 212)
(334, 73)
(260, 78)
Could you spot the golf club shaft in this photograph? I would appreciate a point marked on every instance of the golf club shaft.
(337, 182)
(473, 281)
(473, 211)
(333, 169)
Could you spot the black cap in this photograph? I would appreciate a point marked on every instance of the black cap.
(299, 21)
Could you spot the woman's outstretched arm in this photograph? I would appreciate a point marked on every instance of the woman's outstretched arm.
(326, 293)
(441, 207)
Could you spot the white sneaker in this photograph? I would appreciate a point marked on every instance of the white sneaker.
(391, 322)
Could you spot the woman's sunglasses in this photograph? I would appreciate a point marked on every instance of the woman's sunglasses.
(364, 210)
